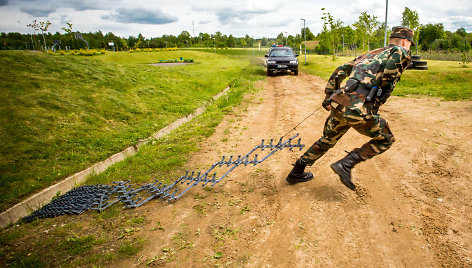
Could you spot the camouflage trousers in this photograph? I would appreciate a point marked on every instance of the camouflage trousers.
(339, 122)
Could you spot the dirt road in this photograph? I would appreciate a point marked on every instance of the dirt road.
(413, 209)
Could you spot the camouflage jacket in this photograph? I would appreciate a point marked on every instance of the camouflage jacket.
(381, 67)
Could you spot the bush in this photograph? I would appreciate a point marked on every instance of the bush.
(89, 52)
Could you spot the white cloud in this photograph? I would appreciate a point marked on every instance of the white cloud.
(140, 15)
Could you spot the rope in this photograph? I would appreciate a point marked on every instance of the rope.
(302, 121)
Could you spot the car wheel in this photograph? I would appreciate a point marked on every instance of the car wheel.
(269, 73)
(295, 72)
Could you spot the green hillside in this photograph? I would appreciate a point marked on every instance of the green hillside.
(60, 114)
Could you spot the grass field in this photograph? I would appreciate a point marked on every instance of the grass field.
(60, 114)
(241, 53)
(445, 79)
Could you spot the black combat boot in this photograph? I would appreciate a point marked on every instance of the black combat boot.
(343, 168)
(298, 173)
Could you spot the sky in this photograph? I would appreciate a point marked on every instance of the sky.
(262, 18)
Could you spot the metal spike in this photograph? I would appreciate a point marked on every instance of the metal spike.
(255, 160)
(279, 144)
(238, 161)
(222, 162)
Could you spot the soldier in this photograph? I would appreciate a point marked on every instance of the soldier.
(372, 78)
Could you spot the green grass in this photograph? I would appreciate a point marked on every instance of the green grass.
(77, 245)
(116, 233)
(444, 79)
(70, 241)
(243, 53)
(322, 66)
(60, 114)
(164, 158)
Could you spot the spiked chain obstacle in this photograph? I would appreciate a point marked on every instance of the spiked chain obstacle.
(99, 197)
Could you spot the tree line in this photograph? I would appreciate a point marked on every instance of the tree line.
(36, 40)
(364, 34)
(368, 33)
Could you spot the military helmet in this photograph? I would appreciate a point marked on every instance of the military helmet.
(403, 32)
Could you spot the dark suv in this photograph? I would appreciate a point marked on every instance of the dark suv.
(281, 59)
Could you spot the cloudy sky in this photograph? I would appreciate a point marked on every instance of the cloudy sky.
(255, 18)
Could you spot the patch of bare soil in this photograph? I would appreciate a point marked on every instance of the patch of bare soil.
(413, 209)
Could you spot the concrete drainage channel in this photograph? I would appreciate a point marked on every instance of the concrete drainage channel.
(25, 207)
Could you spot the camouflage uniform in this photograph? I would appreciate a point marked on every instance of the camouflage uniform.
(380, 68)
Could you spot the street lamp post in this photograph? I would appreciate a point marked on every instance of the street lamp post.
(304, 35)
(386, 11)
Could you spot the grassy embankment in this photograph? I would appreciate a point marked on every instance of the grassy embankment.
(110, 100)
(60, 114)
(444, 79)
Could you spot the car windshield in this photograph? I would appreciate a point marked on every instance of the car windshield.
(281, 53)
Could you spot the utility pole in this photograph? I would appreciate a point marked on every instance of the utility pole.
(386, 12)
(343, 43)
(304, 34)
(193, 27)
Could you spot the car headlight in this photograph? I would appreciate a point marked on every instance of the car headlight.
(293, 61)
(271, 62)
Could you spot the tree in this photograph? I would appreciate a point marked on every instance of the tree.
(411, 20)
(280, 38)
(40, 26)
(249, 40)
(349, 36)
(230, 42)
(132, 41)
(429, 33)
(365, 27)
(43, 26)
(264, 41)
(184, 37)
(331, 27)
(461, 32)
(33, 27)
(69, 31)
(379, 34)
(309, 35)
